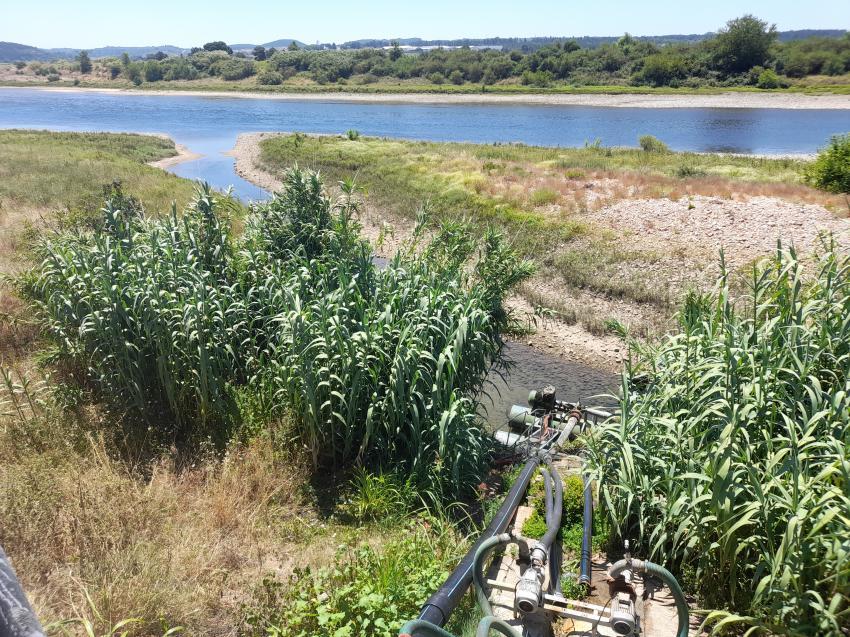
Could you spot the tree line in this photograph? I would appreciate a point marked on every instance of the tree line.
(746, 51)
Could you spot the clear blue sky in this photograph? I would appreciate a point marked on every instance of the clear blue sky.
(91, 23)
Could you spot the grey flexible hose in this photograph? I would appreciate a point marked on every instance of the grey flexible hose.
(17, 618)
(493, 623)
(554, 524)
(477, 574)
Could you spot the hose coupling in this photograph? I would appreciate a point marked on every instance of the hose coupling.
(539, 554)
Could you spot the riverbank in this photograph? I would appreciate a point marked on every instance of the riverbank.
(619, 235)
(732, 99)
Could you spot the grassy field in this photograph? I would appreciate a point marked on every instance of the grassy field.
(545, 199)
(47, 170)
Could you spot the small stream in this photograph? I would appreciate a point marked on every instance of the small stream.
(533, 369)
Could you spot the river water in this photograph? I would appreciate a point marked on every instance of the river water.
(209, 125)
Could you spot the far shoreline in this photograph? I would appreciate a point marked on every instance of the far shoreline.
(745, 100)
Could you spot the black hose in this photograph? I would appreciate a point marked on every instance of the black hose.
(553, 525)
(555, 553)
(586, 534)
(16, 616)
(440, 605)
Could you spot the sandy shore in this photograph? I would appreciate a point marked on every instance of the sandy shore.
(652, 100)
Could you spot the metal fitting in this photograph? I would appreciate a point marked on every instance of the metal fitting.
(539, 554)
(529, 592)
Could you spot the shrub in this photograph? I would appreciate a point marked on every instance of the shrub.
(53, 77)
(651, 144)
(540, 79)
(543, 197)
(232, 69)
(436, 78)
(730, 462)
(352, 134)
(831, 170)
(152, 71)
(366, 591)
(456, 77)
(269, 78)
(768, 79)
(534, 526)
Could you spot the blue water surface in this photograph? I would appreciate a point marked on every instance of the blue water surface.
(209, 125)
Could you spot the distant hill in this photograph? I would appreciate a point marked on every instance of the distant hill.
(12, 52)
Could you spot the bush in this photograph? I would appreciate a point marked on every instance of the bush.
(456, 77)
(365, 592)
(436, 78)
(53, 77)
(651, 144)
(352, 134)
(729, 464)
(831, 170)
(152, 71)
(543, 197)
(768, 79)
(269, 78)
(232, 69)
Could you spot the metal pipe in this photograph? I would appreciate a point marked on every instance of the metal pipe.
(440, 605)
(17, 618)
(586, 534)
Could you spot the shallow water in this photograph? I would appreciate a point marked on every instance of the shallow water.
(533, 369)
(210, 124)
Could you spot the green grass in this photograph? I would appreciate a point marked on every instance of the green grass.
(48, 170)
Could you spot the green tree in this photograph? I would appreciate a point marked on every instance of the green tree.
(218, 45)
(85, 62)
(395, 51)
(293, 46)
(152, 71)
(259, 53)
(125, 60)
(744, 43)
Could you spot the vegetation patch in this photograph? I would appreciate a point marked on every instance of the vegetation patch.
(172, 317)
(728, 460)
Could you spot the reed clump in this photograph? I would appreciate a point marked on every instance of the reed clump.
(729, 460)
(199, 334)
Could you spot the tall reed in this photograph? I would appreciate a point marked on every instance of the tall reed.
(172, 317)
(730, 457)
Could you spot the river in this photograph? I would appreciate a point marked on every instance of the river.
(209, 125)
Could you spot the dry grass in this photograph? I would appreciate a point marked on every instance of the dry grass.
(173, 547)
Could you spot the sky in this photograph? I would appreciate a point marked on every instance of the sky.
(93, 23)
